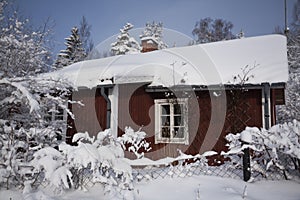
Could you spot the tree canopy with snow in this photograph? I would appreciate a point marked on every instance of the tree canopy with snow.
(85, 35)
(74, 51)
(154, 31)
(23, 50)
(125, 44)
(291, 109)
(209, 30)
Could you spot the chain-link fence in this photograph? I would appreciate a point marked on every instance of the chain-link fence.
(154, 172)
(85, 178)
(227, 170)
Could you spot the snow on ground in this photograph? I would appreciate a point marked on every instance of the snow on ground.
(196, 187)
(210, 187)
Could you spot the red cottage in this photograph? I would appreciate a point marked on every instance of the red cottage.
(185, 98)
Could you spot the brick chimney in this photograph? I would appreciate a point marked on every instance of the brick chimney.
(149, 44)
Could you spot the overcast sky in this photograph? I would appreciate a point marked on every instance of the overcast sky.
(254, 17)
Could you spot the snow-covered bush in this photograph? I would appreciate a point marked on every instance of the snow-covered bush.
(95, 159)
(275, 149)
(51, 162)
(102, 155)
(17, 146)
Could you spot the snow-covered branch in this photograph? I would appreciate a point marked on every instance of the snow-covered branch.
(136, 141)
(34, 105)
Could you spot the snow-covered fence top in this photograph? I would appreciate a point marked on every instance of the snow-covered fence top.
(204, 64)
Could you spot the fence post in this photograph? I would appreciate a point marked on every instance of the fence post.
(246, 139)
(246, 163)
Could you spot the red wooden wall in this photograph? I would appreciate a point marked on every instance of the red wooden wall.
(136, 109)
(90, 117)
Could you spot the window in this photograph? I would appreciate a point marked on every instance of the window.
(56, 116)
(171, 121)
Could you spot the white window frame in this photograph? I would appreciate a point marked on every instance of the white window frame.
(158, 121)
(55, 114)
(52, 115)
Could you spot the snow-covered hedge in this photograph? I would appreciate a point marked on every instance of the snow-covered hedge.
(99, 159)
(275, 149)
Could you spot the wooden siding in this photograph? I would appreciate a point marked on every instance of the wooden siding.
(247, 112)
(91, 117)
(136, 109)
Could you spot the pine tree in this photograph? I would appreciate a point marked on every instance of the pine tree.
(154, 31)
(74, 51)
(125, 44)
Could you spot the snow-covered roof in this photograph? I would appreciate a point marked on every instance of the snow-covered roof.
(203, 64)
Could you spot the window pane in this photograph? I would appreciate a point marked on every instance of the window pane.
(48, 118)
(178, 108)
(165, 109)
(178, 132)
(178, 121)
(165, 132)
(59, 115)
(165, 120)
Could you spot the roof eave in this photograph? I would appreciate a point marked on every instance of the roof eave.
(279, 85)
